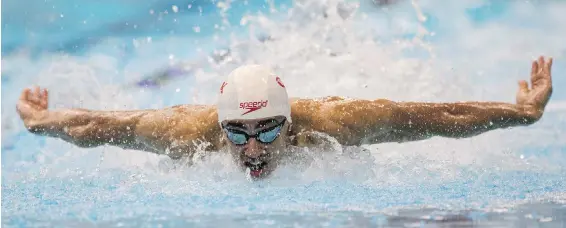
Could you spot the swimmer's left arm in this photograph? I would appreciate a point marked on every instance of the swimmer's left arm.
(356, 122)
(466, 119)
(416, 121)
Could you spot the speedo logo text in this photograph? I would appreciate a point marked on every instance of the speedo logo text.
(252, 106)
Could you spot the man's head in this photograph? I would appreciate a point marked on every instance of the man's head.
(255, 116)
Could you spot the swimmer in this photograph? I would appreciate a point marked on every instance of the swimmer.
(258, 124)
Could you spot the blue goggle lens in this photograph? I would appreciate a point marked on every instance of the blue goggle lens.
(240, 138)
(236, 137)
(269, 136)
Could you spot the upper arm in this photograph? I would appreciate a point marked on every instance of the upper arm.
(350, 121)
(179, 130)
(356, 122)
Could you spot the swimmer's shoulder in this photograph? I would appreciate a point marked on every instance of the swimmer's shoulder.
(199, 119)
(187, 125)
(351, 121)
(306, 113)
(192, 109)
(303, 107)
(187, 116)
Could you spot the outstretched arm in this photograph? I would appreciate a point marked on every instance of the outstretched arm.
(173, 131)
(355, 122)
(415, 121)
(465, 119)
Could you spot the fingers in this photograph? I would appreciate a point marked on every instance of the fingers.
(25, 93)
(35, 96)
(548, 68)
(523, 86)
(542, 65)
(540, 71)
(44, 98)
(541, 61)
(534, 68)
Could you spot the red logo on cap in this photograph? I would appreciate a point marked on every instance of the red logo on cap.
(279, 82)
(222, 87)
(252, 106)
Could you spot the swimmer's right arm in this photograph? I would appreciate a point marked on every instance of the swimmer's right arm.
(173, 131)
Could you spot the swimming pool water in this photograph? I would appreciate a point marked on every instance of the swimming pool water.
(86, 53)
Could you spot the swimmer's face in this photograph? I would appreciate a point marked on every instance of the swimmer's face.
(258, 144)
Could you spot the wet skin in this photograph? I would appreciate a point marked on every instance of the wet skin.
(182, 130)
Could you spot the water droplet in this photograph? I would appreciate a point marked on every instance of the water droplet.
(175, 8)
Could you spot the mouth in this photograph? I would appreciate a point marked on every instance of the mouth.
(256, 168)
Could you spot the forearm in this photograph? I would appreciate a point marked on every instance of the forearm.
(88, 128)
(463, 119)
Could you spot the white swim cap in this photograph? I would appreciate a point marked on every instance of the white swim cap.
(253, 92)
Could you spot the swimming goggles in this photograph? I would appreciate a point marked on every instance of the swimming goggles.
(267, 135)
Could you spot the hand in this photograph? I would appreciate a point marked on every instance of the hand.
(32, 105)
(541, 86)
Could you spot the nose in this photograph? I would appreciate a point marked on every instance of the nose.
(253, 149)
